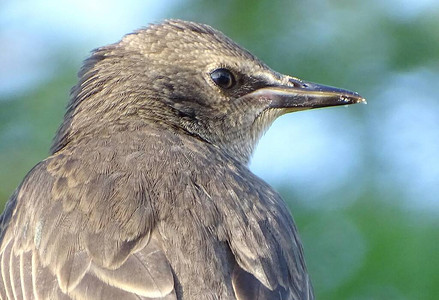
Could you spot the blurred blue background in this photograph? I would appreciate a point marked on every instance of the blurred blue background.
(362, 182)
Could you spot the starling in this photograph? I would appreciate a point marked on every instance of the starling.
(147, 192)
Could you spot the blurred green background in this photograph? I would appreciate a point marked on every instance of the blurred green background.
(362, 182)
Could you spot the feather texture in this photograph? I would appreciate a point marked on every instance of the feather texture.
(141, 197)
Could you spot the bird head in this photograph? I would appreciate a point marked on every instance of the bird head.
(191, 77)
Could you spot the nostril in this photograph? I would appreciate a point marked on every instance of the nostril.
(296, 82)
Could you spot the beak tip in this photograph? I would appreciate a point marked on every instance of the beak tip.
(362, 100)
(352, 99)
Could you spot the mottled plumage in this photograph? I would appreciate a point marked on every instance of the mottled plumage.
(147, 193)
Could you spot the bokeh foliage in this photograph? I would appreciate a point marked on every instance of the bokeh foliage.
(366, 244)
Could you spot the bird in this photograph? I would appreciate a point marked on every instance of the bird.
(147, 193)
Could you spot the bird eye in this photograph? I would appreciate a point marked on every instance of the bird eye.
(223, 78)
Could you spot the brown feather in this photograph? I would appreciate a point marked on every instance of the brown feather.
(147, 193)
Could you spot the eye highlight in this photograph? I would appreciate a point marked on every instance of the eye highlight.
(223, 78)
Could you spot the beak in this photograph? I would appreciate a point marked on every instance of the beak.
(301, 95)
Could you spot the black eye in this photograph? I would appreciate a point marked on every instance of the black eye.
(223, 78)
